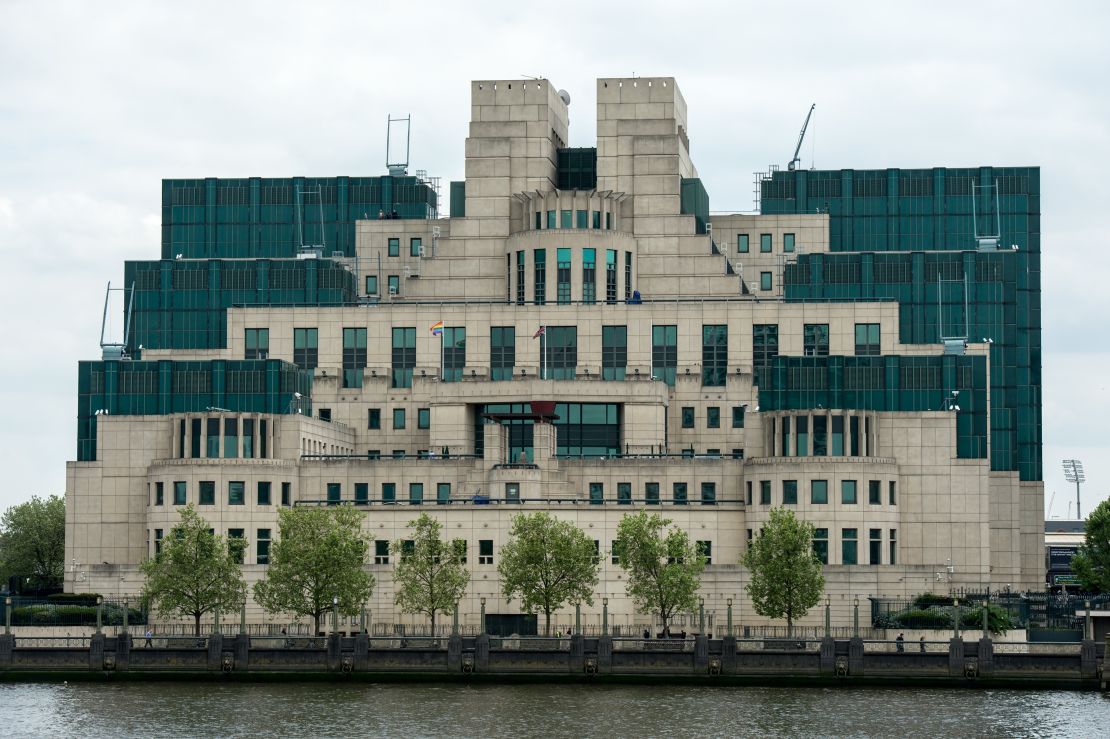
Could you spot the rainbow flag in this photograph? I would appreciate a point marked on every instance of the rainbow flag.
(437, 329)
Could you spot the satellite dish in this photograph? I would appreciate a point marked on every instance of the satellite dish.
(564, 96)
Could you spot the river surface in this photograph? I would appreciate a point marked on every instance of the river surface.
(188, 709)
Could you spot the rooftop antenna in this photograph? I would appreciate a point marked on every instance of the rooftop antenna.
(117, 349)
(398, 168)
(795, 160)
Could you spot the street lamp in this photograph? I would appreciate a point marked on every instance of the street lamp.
(605, 617)
(1073, 472)
(482, 624)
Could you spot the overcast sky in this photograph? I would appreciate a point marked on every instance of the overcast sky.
(100, 101)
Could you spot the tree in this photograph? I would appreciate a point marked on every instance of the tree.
(1091, 563)
(429, 576)
(32, 541)
(549, 563)
(320, 555)
(786, 573)
(195, 573)
(663, 567)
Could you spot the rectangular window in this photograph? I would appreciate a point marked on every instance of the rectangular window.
(374, 418)
(788, 243)
(714, 355)
(614, 352)
(423, 418)
(713, 417)
(520, 277)
(157, 542)
(765, 492)
(614, 553)
(287, 493)
(212, 446)
(741, 243)
(651, 492)
(371, 284)
(415, 249)
(258, 343)
(231, 438)
(687, 417)
(443, 493)
(709, 493)
(194, 441)
(815, 340)
(559, 352)
(454, 353)
(389, 492)
(306, 347)
(362, 493)
(393, 284)
(765, 243)
(237, 543)
(207, 492)
(180, 494)
(512, 492)
(664, 353)
(738, 416)
(789, 492)
(562, 276)
(354, 356)
(416, 493)
(581, 219)
(485, 551)
(820, 436)
(867, 340)
(610, 276)
(627, 268)
(821, 545)
(334, 493)
(765, 281)
(381, 552)
(705, 549)
(262, 492)
(398, 418)
(551, 223)
(837, 436)
(394, 247)
(748, 495)
(875, 546)
(262, 547)
(819, 492)
(460, 550)
(848, 492)
(589, 276)
(539, 276)
(893, 544)
(624, 493)
(875, 492)
(565, 218)
(595, 219)
(597, 493)
(679, 493)
(235, 493)
(891, 490)
(502, 352)
(848, 547)
(765, 347)
(403, 356)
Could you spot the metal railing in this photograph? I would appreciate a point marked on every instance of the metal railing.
(52, 642)
(893, 646)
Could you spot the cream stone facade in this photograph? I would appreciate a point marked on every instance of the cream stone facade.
(401, 424)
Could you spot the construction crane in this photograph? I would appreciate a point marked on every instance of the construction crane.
(796, 161)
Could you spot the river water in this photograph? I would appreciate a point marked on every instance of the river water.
(188, 709)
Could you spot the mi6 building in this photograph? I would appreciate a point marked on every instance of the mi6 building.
(582, 336)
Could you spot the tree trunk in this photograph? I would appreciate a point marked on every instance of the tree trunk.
(789, 625)
(196, 624)
(666, 629)
(547, 622)
(316, 621)
(433, 623)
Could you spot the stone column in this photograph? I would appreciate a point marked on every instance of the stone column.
(604, 654)
(576, 662)
(543, 443)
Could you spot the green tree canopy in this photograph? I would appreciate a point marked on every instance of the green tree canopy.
(1091, 563)
(664, 567)
(32, 541)
(196, 572)
(548, 563)
(429, 576)
(786, 574)
(320, 554)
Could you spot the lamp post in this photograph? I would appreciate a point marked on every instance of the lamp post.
(99, 613)
(956, 617)
(482, 623)
(855, 616)
(8, 616)
(701, 616)
(1073, 472)
(728, 602)
(828, 615)
(334, 613)
(605, 617)
(577, 618)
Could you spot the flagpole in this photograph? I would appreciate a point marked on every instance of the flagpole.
(443, 355)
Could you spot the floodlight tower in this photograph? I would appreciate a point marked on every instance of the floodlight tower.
(1073, 472)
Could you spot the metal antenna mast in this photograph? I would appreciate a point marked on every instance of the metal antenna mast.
(794, 161)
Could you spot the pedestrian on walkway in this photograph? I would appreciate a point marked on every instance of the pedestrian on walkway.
(901, 642)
